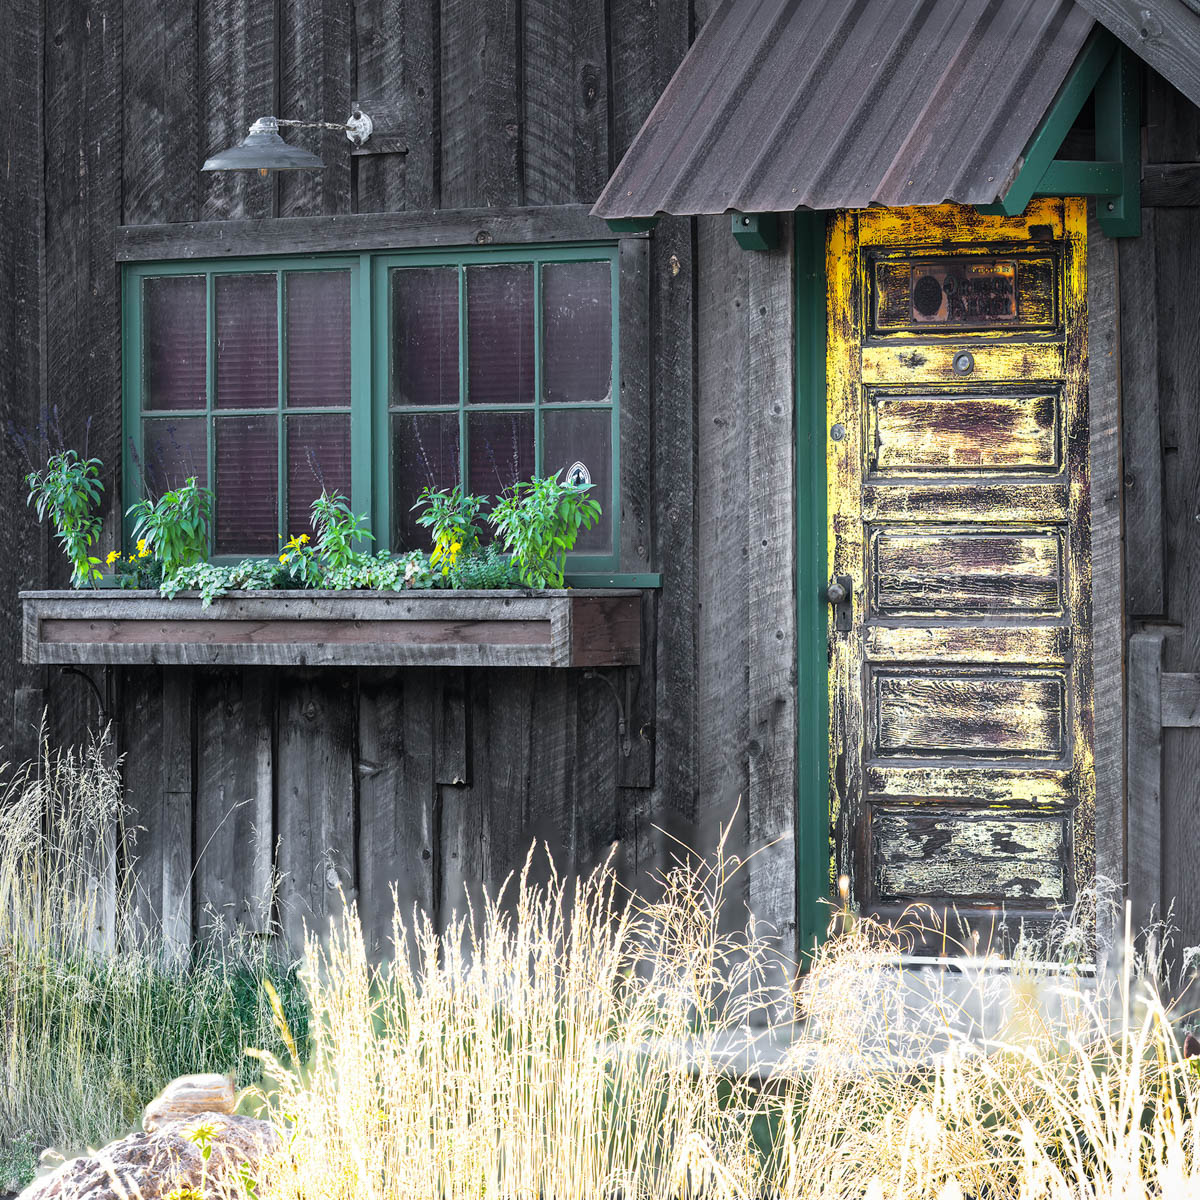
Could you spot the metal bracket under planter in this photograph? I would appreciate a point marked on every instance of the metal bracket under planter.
(584, 628)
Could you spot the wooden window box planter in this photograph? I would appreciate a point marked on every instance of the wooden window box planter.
(584, 628)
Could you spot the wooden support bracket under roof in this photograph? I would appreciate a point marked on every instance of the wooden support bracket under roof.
(1110, 72)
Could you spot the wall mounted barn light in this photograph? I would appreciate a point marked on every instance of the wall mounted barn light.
(263, 150)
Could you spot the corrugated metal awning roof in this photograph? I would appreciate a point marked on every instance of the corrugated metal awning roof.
(783, 104)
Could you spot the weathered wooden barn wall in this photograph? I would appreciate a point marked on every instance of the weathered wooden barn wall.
(438, 779)
(1160, 370)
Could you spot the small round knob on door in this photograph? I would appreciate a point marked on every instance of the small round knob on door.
(836, 592)
(964, 362)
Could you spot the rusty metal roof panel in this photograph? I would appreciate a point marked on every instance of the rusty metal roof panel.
(782, 104)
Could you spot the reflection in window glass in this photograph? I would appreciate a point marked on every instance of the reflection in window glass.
(173, 450)
(500, 334)
(577, 332)
(318, 459)
(501, 450)
(174, 332)
(579, 443)
(318, 339)
(248, 485)
(424, 336)
(424, 454)
(247, 341)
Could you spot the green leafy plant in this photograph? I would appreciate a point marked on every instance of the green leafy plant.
(138, 570)
(68, 489)
(539, 521)
(338, 528)
(452, 516)
(301, 564)
(213, 580)
(174, 528)
(486, 568)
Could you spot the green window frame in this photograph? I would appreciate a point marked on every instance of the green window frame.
(371, 411)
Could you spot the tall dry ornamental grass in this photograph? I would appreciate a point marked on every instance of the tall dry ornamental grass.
(554, 1046)
(97, 1013)
(571, 1043)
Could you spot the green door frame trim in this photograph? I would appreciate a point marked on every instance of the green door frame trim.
(812, 653)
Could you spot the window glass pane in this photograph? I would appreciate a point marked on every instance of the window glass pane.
(173, 450)
(247, 485)
(424, 454)
(501, 450)
(424, 336)
(318, 338)
(579, 443)
(318, 458)
(247, 341)
(174, 333)
(500, 334)
(577, 332)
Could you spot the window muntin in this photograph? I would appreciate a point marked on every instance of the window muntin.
(377, 374)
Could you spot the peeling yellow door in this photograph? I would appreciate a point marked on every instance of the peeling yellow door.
(960, 663)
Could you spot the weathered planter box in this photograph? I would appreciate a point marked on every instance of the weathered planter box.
(310, 628)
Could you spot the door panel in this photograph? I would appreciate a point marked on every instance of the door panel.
(960, 675)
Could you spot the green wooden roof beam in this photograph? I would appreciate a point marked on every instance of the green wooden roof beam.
(755, 231)
(631, 224)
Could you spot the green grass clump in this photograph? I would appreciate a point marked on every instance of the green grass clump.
(98, 1012)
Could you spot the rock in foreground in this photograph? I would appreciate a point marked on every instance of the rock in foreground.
(188, 1095)
(150, 1166)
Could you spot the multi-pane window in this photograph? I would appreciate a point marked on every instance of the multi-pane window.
(243, 379)
(375, 375)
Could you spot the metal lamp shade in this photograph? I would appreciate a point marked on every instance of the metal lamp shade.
(263, 149)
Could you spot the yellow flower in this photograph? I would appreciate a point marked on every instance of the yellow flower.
(143, 549)
(284, 557)
(113, 555)
(304, 537)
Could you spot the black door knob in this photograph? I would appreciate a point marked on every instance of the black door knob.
(836, 592)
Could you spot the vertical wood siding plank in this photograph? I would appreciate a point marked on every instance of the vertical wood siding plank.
(597, 755)
(465, 813)
(177, 852)
(141, 696)
(396, 52)
(504, 791)
(452, 763)
(237, 86)
(557, 800)
(481, 109)
(82, 162)
(673, 272)
(1145, 766)
(565, 101)
(315, 798)
(1108, 618)
(22, 541)
(234, 828)
(162, 135)
(548, 109)
(314, 85)
(396, 801)
(723, 614)
(1141, 428)
(1177, 232)
(770, 486)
